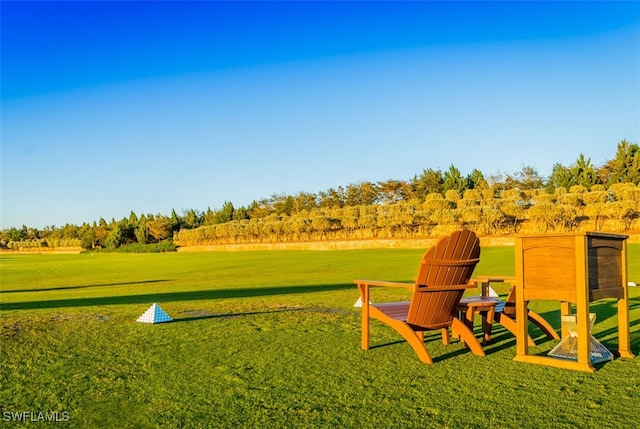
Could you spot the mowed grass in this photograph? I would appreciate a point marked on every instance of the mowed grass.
(271, 339)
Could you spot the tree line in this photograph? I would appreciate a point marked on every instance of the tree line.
(580, 195)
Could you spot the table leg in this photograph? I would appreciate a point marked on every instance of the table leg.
(487, 323)
(468, 320)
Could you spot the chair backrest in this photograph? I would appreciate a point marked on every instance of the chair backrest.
(449, 263)
(510, 304)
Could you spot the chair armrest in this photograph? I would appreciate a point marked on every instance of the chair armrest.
(494, 279)
(485, 282)
(427, 288)
(364, 287)
(408, 286)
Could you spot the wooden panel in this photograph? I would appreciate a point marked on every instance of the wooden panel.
(605, 267)
(597, 294)
(549, 263)
(559, 295)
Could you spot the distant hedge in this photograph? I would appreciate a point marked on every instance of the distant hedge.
(141, 248)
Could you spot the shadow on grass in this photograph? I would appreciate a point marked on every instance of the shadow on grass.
(232, 315)
(450, 355)
(48, 289)
(608, 309)
(604, 309)
(174, 296)
(430, 338)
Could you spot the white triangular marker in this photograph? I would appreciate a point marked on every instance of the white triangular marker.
(493, 293)
(359, 303)
(154, 314)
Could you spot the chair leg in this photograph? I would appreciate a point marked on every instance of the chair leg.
(366, 311)
(365, 333)
(446, 340)
(544, 326)
(415, 340)
(467, 336)
(510, 325)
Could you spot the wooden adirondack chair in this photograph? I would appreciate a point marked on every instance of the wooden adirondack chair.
(505, 311)
(444, 274)
(506, 316)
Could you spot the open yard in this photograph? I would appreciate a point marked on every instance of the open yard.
(271, 339)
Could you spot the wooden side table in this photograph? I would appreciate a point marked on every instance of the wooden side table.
(483, 305)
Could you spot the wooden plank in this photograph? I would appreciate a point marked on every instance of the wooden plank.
(522, 327)
(624, 338)
(555, 362)
(561, 295)
(582, 300)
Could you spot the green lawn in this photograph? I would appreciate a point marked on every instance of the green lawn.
(271, 339)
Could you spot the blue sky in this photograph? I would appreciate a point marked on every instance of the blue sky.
(109, 107)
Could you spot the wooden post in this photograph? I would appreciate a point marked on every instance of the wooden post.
(582, 305)
(364, 294)
(624, 340)
(522, 323)
(565, 310)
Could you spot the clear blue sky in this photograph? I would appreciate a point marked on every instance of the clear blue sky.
(109, 107)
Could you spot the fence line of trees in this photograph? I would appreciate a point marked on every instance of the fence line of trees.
(618, 208)
(573, 197)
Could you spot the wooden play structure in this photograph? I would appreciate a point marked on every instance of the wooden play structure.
(443, 276)
(575, 269)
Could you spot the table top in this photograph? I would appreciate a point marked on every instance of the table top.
(479, 301)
